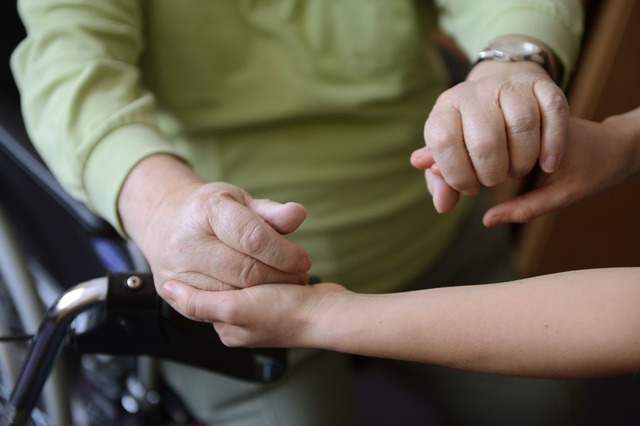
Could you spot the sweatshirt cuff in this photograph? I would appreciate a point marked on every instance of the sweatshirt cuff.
(561, 36)
(112, 160)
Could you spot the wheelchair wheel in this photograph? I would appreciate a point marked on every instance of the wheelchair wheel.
(9, 353)
(10, 323)
(20, 313)
(12, 349)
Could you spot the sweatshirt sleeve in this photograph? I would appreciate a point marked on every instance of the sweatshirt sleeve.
(84, 106)
(475, 23)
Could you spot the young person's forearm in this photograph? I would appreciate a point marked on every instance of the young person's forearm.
(627, 126)
(573, 325)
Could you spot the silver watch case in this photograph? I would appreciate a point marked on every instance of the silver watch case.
(515, 51)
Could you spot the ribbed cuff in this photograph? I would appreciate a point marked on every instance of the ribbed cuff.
(111, 161)
(540, 25)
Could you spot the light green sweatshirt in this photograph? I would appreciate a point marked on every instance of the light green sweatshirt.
(315, 101)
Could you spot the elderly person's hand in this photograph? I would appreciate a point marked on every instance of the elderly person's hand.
(210, 236)
(496, 125)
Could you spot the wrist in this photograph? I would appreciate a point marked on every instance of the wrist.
(147, 189)
(516, 49)
(494, 68)
(330, 318)
(627, 132)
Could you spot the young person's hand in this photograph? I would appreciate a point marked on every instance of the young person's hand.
(598, 156)
(210, 236)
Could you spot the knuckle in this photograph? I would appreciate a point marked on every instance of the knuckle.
(482, 151)
(250, 272)
(450, 95)
(253, 238)
(228, 310)
(190, 307)
(554, 99)
(557, 103)
(525, 214)
(438, 129)
(437, 138)
(522, 123)
(200, 200)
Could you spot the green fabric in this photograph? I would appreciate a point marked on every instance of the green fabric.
(317, 101)
(523, 17)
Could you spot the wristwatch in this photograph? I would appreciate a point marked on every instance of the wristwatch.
(521, 50)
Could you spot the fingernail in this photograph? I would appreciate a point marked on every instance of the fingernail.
(550, 163)
(168, 290)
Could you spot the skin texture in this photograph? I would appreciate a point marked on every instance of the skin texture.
(577, 324)
(496, 125)
(212, 236)
(573, 324)
(215, 236)
(583, 172)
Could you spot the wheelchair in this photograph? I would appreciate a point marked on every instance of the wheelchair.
(81, 326)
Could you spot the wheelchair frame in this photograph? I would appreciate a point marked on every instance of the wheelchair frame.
(118, 313)
(124, 314)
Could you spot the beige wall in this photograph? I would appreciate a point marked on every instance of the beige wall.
(604, 230)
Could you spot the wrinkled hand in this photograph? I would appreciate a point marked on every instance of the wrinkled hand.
(494, 126)
(269, 315)
(216, 236)
(596, 158)
(209, 236)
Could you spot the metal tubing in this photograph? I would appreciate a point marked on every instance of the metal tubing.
(46, 345)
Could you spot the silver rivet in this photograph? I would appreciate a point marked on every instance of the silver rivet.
(134, 282)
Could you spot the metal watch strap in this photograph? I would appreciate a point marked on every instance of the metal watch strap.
(540, 55)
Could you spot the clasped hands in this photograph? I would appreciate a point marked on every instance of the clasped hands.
(492, 128)
(497, 125)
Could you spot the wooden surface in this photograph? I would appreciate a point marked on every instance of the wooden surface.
(604, 230)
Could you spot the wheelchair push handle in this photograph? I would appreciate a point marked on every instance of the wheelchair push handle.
(121, 314)
(45, 346)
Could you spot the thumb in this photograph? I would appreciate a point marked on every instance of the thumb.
(284, 218)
